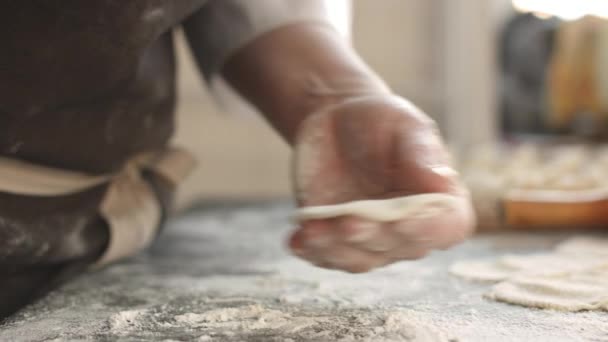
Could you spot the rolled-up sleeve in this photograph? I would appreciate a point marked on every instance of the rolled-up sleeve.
(223, 26)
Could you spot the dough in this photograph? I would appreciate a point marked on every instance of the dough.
(394, 209)
(572, 277)
(576, 292)
(529, 167)
(492, 173)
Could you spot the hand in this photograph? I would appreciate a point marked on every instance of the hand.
(374, 147)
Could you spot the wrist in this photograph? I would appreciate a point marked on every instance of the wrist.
(323, 93)
(297, 70)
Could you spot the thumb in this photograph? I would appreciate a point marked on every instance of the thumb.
(423, 162)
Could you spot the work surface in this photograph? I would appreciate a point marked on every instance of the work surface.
(220, 273)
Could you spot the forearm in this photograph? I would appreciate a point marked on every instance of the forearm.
(296, 70)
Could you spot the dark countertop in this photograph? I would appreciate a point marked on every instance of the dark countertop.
(220, 273)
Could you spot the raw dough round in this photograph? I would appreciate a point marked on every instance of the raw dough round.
(573, 277)
(387, 210)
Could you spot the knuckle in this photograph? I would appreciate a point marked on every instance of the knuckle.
(419, 254)
(413, 254)
(357, 269)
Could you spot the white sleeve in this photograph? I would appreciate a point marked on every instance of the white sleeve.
(222, 26)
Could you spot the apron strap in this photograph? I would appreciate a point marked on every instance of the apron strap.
(130, 206)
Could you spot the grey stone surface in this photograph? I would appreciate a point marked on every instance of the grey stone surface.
(232, 257)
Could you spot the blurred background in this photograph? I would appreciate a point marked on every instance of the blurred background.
(484, 69)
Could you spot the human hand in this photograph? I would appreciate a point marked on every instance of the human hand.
(375, 147)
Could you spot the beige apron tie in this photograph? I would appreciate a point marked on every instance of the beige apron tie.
(130, 206)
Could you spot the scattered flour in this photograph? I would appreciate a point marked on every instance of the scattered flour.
(126, 320)
(251, 317)
(255, 320)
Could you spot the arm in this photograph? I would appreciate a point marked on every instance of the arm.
(289, 78)
(353, 139)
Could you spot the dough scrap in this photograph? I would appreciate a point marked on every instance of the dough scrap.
(574, 293)
(387, 210)
(572, 277)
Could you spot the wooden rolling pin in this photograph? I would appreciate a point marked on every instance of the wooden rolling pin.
(550, 209)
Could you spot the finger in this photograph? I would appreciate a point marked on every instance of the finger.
(351, 229)
(317, 243)
(312, 234)
(408, 251)
(438, 232)
(367, 235)
(381, 239)
(423, 163)
(347, 258)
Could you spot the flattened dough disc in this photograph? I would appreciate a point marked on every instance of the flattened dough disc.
(386, 210)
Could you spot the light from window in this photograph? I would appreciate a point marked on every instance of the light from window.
(564, 9)
(340, 15)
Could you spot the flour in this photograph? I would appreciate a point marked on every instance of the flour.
(252, 317)
(573, 277)
(220, 324)
(126, 320)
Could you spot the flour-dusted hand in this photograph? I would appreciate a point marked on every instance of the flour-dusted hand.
(367, 149)
(353, 141)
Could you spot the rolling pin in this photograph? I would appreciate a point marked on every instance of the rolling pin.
(550, 209)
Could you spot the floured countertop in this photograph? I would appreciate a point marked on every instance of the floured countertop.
(220, 273)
